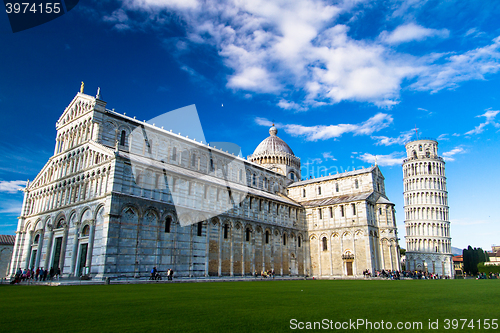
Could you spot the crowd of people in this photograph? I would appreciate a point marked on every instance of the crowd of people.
(40, 274)
(265, 274)
(484, 276)
(397, 275)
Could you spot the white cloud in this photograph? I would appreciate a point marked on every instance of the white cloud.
(328, 156)
(323, 132)
(12, 186)
(11, 207)
(263, 122)
(411, 32)
(443, 137)
(299, 47)
(474, 32)
(400, 140)
(311, 161)
(162, 4)
(490, 119)
(448, 156)
(120, 19)
(383, 160)
(290, 105)
(455, 68)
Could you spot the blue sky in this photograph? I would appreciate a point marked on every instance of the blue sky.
(344, 81)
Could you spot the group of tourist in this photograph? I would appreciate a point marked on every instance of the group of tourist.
(422, 275)
(155, 274)
(40, 274)
(397, 275)
(265, 274)
(483, 276)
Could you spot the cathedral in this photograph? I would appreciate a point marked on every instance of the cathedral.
(121, 196)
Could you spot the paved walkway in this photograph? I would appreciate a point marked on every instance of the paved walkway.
(145, 280)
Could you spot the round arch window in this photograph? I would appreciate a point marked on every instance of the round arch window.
(60, 224)
(85, 231)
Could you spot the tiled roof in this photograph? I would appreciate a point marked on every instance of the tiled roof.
(329, 201)
(339, 175)
(7, 239)
(494, 254)
(336, 200)
(458, 258)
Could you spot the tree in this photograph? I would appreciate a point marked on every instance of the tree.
(472, 257)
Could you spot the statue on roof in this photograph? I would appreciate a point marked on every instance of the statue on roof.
(81, 87)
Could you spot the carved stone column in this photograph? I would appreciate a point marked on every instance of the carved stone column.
(231, 269)
(63, 249)
(27, 249)
(207, 249)
(39, 251)
(220, 249)
(72, 268)
(91, 245)
(49, 247)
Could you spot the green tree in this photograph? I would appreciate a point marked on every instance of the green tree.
(472, 257)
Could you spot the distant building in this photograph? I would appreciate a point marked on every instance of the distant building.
(428, 241)
(494, 256)
(6, 247)
(458, 264)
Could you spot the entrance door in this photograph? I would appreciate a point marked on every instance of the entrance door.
(82, 259)
(348, 266)
(294, 269)
(57, 253)
(33, 258)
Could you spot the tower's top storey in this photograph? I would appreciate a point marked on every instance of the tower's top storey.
(420, 149)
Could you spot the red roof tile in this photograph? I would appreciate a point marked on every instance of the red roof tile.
(7, 239)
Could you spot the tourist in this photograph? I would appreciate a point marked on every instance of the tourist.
(153, 274)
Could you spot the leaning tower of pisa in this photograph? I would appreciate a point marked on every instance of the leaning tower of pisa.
(428, 241)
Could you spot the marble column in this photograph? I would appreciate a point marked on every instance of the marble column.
(75, 250)
(231, 269)
(390, 256)
(219, 253)
(91, 245)
(243, 241)
(331, 254)
(207, 249)
(63, 249)
(320, 249)
(382, 261)
(48, 251)
(15, 256)
(281, 251)
(27, 250)
(39, 251)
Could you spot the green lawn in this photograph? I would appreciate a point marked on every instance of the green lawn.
(244, 306)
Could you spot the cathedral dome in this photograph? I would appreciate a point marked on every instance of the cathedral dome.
(272, 144)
